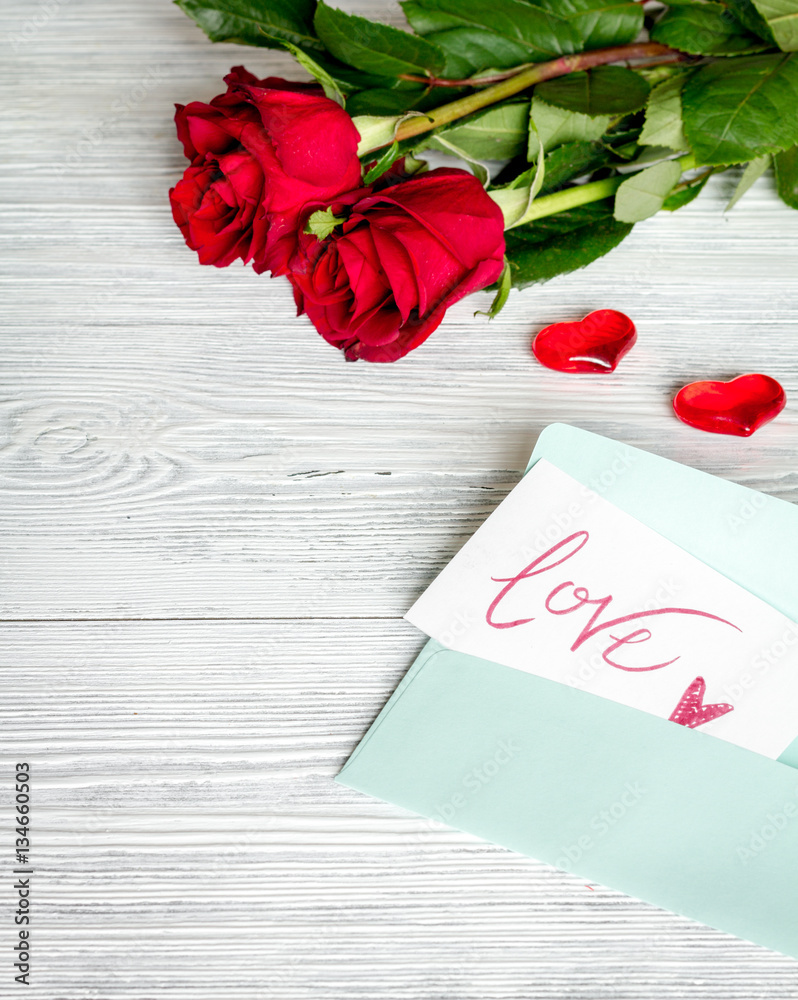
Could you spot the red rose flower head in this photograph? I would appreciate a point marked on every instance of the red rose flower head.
(398, 258)
(259, 154)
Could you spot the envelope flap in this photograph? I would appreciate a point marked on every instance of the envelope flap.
(747, 536)
(668, 814)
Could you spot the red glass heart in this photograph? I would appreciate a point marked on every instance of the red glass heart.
(737, 407)
(595, 344)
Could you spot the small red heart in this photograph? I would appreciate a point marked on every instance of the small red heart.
(595, 344)
(737, 407)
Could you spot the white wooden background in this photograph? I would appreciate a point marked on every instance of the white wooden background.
(212, 526)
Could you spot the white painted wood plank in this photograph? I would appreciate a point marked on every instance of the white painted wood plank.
(107, 515)
(189, 838)
(160, 469)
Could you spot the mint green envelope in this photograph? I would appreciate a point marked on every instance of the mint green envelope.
(671, 815)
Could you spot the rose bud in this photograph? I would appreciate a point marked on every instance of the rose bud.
(259, 154)
(395, 260)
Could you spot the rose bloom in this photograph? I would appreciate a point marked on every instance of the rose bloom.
(382, 282)
(259, 154)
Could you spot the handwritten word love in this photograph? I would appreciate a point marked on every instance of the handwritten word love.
(556, 556)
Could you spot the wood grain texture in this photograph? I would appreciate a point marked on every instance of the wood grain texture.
(211, 526)
(191, 838)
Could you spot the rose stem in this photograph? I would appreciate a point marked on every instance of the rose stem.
(526, 78)
(584, 194)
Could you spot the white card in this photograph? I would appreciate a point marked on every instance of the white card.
(563, 584)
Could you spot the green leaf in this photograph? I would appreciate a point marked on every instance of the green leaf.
(706, 29)
(600, 23)
(750, 18)
(330, 87)
(267, 23)
(375, 131)
(782, 19)
(606, 90)
(752, 173)
(374, 47)
(562, 243)
(322, 223)
(556, 126)
(497, 133)
(684, 193)
(572, 160)
(738, 109)
(642, 195)
(786, 169)
(385, 162)
(466, 55)
(350, 79)
(540, 230)
(380, 102)
(469, 51)
(624, 143)
(505, 284)
(503, 33)
(515, 198)
(663, 124)
(480, 169)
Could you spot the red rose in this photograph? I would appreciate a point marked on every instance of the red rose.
(381, 283)
(258, 154)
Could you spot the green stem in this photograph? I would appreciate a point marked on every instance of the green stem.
(527, 78)
(584, 194)
(573, 197)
